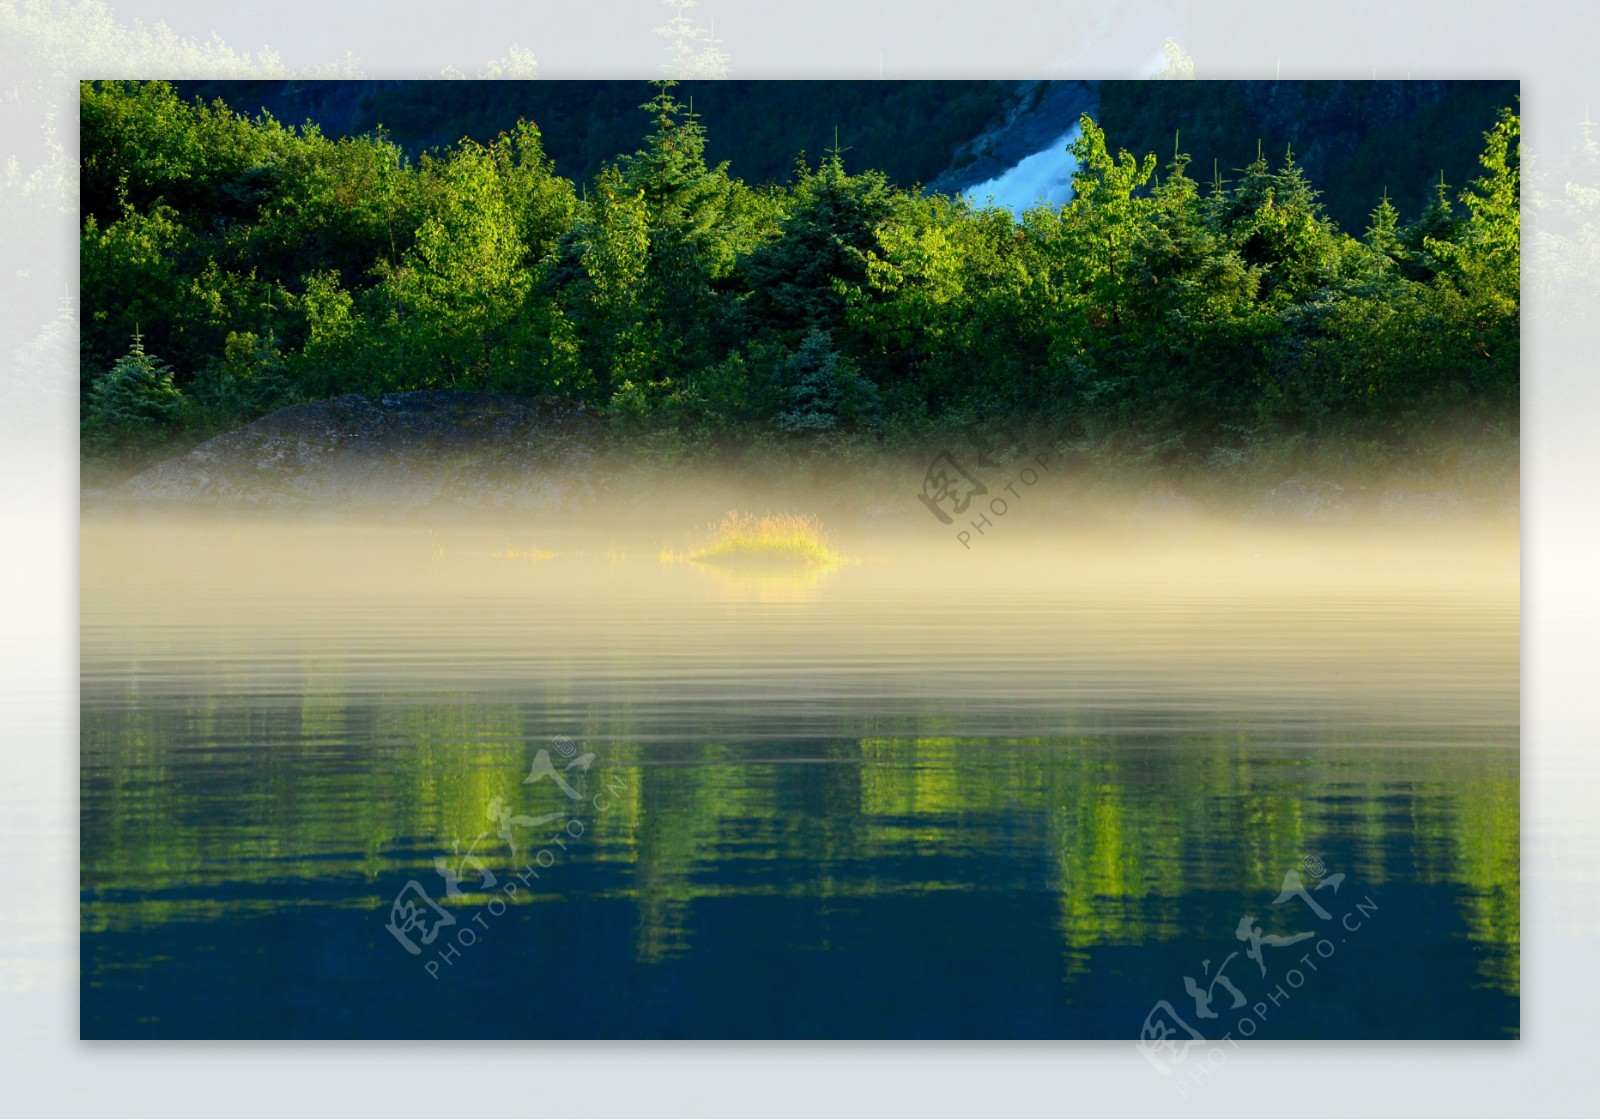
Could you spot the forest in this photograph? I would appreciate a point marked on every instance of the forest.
(232, 264)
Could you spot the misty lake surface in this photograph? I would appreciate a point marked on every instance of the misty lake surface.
(1015, 792)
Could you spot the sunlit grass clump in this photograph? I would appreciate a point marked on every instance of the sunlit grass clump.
(772, 540)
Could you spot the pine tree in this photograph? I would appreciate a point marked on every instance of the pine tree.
(133, 401)
(802, 278)
(1382, 235)
(824, 391)
(1188, 294)
(694, 236)
(1276, 222)
(1493, 241)
(1184, 272)
(1427, 240)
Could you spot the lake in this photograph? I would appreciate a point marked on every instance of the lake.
(467, 781)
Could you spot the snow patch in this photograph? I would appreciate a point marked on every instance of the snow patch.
(1044, 177)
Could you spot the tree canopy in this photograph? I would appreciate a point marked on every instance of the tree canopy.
(267, 264)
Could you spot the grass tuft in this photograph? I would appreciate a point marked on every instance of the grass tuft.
(772, 539)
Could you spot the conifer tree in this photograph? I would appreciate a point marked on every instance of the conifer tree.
(801, 279)
(824, 390)
(1383, 225)
(134, 401)
(1493, 237)
(1427, 240)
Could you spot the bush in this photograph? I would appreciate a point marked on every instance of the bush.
(251, 380)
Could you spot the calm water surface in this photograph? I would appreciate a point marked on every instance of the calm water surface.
(1020, 793)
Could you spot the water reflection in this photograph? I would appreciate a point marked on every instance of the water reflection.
(1017, 799)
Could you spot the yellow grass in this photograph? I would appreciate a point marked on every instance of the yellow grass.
(770, 540)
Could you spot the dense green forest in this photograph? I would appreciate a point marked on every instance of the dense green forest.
(232, 264)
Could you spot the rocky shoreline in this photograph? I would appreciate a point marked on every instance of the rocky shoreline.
(395, 451)
(472, 454)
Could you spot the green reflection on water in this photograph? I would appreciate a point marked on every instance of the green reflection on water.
(178, 828)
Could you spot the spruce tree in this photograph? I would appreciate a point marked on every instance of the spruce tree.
(1382, 235)
(1427, 240)
(134, 401)
(800, 279)
(824, 390)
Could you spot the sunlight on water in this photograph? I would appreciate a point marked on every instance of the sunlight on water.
(1053, 775)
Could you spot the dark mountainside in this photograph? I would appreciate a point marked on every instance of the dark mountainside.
(951, 134)
(1031, 123)
(906, 129)
(1346, 135)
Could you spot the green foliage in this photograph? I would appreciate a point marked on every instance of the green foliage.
(274, 264)
(1100, 223)
(1488, 253)
(250, 380)
(141, 143)
(453, 298)
(1383, 235)
(131, 272)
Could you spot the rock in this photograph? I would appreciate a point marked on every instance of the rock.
(400, 450)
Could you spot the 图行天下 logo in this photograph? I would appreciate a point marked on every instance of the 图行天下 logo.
(1166, 1038)
(419, 922)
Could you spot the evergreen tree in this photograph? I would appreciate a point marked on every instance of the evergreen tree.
(1192, 303)
(1276, 223)
(1383, 227)
(1427, 241)
(692, 239)
(1491, 248)
(824, 391)
(135, 401)
(800, 279)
